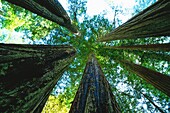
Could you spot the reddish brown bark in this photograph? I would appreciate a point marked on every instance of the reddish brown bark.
(94, 94)
(158, 80)
(152, 22)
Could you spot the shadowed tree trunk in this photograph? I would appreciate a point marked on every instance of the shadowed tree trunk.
(152, 102)
(158, 80)
(157, 56)
(94, 94)
(152, 47)
(49, 9)
(144, 95)
(150, 55)
(153, 21)
(28, 74)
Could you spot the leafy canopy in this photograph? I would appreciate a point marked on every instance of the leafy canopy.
(126, 86)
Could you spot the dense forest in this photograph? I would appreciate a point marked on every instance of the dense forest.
(126, 60)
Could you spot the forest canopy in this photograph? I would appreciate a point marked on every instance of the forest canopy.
(132, 93)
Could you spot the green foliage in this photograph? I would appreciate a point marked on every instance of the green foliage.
(58, 107)
(91, 28)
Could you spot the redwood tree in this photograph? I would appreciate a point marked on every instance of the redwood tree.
(152, 47)
(51, 10)
(153, 21)
(157, 56)
(158, 80)
(29, 73)
(94, 94)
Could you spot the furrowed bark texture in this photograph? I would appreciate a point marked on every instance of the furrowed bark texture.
(152, 47)
(158, 80)
(28, 74)
(49, 9)
(153, 21)
(56, 8)
(94, 94)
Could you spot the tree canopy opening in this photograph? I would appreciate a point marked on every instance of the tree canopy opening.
(129, 53)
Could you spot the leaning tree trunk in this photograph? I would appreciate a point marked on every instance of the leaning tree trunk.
(28, 74)
(158, 80)
(56, 8)
(94, 94)
(156, 56)
(153, 21)
(152, 102)
(152, 47)
(150, 55)
(51, 10)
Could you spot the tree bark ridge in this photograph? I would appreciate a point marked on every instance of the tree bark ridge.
(158, 80)
(152, 47)
(94, 94)
(27, 80)
(152, 22)
(45, 11)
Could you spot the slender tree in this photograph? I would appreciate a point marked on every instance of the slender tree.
(158, 80)
(157, 56)
(144, 95)
(152, 47)
(49, 9)
(152, 102)
(29, 73)
(94, 94)
(153, 21)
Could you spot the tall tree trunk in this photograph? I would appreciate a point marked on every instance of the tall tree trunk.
(48, 11)
(153, 21)
(157, 56)
(152, 47)
(158, 80)
(28, 74)
(144, 95)
(56, 8)
(94, 94)
(157, 107)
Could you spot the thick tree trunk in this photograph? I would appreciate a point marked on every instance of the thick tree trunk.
(56, 8)
(152, 47)
(94, 94)
(152, 22)
(29, 73)
(51, 10)
(158, 80)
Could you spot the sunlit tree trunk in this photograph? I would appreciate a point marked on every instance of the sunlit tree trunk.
(56, 8)
(158, 80)
(152, 47)
(50, 10)
(94, 94)
(28, 74)
(153, 21)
